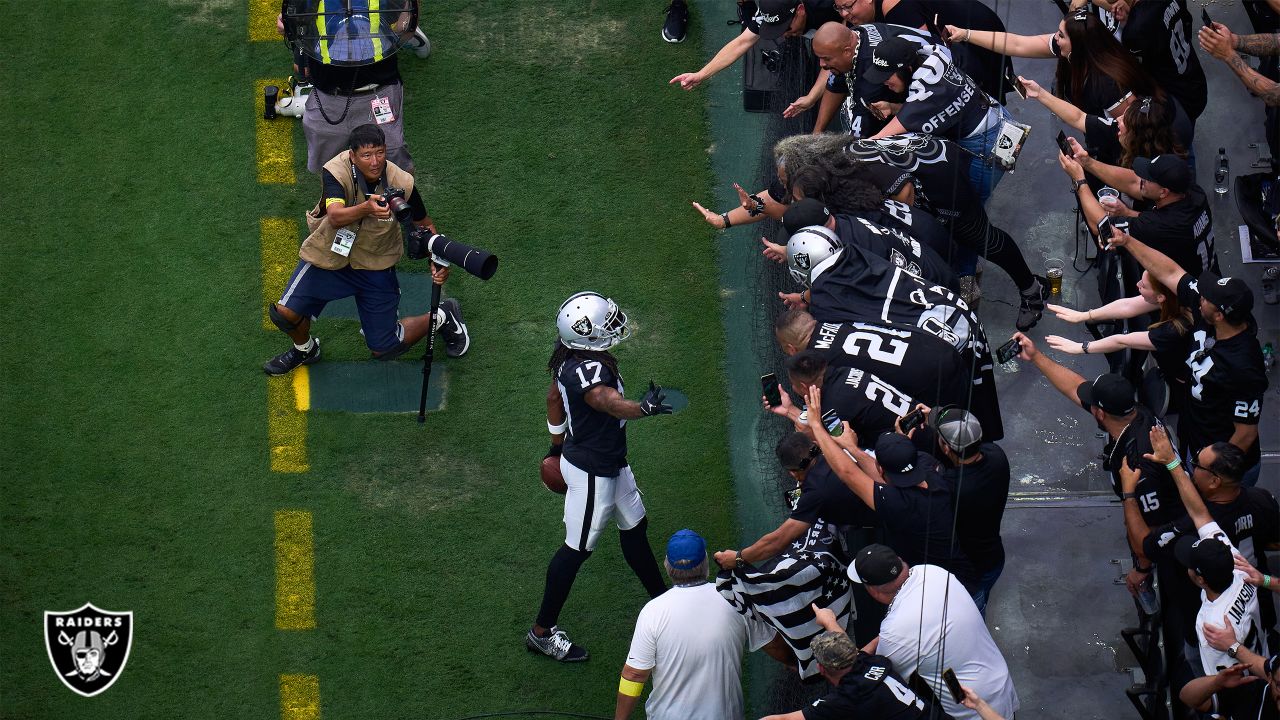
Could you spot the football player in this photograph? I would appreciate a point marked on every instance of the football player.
(591, 441)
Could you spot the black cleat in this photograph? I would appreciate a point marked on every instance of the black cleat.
(456, 338)
(286, 361)
(677, 24)
(555, 645)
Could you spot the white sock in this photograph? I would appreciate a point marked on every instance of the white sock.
(308, 346)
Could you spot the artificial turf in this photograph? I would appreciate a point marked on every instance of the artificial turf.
(136, 467)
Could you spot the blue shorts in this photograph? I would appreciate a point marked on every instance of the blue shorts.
(377, 294)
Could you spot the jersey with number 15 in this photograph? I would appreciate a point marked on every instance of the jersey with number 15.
(596, 442)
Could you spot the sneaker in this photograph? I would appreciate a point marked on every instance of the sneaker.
(456, 338)
(419, 43)
(1032, 304)
(290, 359)
(677, 24)
(555, 645)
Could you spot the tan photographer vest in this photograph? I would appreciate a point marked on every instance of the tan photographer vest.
(379, 243)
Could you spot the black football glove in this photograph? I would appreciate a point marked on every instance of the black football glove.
(653, 404)
(555, 451)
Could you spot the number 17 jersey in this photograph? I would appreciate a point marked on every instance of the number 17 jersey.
(596, 442)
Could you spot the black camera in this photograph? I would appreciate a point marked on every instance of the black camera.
(771, 59)
(421, 243)
(394, 198)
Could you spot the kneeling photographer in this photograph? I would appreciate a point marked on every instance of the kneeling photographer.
(355, 242)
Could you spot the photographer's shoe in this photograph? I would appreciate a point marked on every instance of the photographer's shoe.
(677, 24)
(456, 338)
(1032, 305)
(286, 361)
(555, 645)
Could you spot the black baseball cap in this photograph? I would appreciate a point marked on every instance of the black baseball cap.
(903, 465)
(804, 213)
(1110, 393)
(1167, 171)
(1210, 558)
(890, 56)
(875, 565)
(773, 17)
(1227, 293)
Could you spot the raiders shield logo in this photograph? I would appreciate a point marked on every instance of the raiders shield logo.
(582, 327)
(802, 260)
(88, 647)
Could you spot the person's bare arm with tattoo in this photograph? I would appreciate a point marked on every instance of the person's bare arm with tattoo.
(1223, 44)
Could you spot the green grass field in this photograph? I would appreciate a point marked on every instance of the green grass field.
(136, 468)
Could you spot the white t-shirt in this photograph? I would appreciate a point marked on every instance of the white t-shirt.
(1239, 603)
(693, 641)
(933, 605)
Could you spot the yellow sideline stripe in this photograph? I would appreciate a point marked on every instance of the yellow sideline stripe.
(299, 697)
(288, 399)
(295, 571)
(274, 141)
(262, 20)
(279, 258)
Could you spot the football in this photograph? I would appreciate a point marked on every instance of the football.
(551, 476)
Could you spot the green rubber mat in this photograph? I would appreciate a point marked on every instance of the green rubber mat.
(375, 387)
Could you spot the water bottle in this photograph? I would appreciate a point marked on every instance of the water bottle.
(1147, 599)
(1268, 357)
(1222, 174)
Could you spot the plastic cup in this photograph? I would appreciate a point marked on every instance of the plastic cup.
(1108, 197)
(1053, 271)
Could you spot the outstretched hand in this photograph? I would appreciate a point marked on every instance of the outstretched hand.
(1161, 449)
(653, 402)
(687, 81)
(713, 218)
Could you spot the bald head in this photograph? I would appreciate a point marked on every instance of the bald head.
(834, 45)
(793, 328)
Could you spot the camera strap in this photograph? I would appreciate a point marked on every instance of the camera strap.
(362, 185)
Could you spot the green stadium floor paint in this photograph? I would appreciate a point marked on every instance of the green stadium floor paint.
(376, 387)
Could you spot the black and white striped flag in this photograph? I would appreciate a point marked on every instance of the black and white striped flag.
(779, 590)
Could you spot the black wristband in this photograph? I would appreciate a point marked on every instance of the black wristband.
(555, 451)
(725, 217)
(758, 207)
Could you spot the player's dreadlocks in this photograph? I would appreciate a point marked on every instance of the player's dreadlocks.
(562, 352)
(819, 167)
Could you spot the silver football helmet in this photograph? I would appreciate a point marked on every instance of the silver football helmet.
(808, 247)
(591, 321)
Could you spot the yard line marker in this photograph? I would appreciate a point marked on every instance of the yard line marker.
(295, 571)
(288, 399)
(279, 257)
(299, 697)
(262, 21)
(274, 141)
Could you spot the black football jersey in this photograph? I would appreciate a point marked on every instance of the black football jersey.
(942, 100)
(856, 286)
(915, 223)
(861, 93)
(939, 168)
(1158, 498)
(912, 366)
(596, 441)
(870, 690)
(1228, 381)
(897, 247)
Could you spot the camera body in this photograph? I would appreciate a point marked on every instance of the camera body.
(394, 198)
